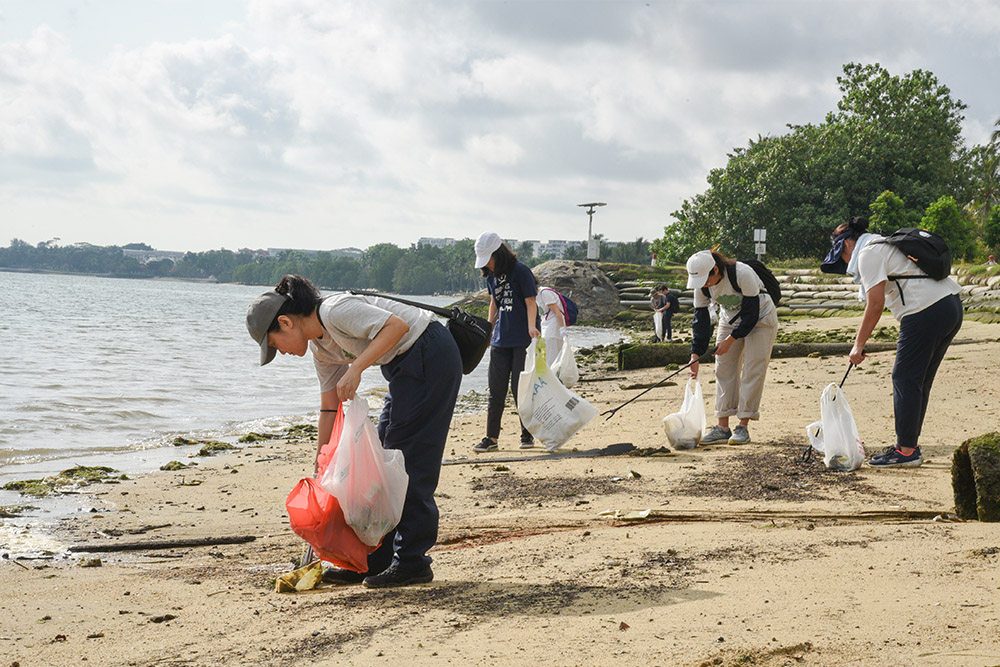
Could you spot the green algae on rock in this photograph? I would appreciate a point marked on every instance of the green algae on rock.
(975, 475)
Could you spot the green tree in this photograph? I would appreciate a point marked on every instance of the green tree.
(897, 133)
(991, 229)
(887, 213)
(418, 277)
(380, 262)
(634, 252)
(944, 218)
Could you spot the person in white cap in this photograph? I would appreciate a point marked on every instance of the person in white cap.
(514, 316)
(748, 326)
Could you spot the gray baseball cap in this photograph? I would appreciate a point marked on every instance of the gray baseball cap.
(260, 315)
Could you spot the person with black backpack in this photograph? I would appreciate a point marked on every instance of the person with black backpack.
(907, 273)
(747, 294)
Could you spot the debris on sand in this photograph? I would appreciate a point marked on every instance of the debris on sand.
(303, 579)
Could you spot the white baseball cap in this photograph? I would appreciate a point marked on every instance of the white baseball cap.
(486, 245)
(699, 265)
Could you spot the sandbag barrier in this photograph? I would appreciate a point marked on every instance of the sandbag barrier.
(809, 292)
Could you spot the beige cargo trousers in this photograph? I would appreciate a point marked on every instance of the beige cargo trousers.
(740, 372)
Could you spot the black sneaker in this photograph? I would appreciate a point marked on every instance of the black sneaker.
(485, 445)
(892, 457)
(342, 577)
(527, 444)
(393, 576)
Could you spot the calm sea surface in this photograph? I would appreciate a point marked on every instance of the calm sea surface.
(101, 371)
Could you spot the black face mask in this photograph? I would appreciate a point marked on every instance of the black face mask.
(833, 262)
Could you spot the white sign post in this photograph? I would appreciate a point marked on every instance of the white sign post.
(759, 237)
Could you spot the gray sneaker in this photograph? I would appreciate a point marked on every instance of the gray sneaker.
(715, 435)
(741, 436)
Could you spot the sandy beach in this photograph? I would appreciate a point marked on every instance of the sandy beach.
(748, 557)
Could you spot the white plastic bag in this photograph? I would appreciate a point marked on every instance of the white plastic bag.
(564, 365)
(658, 325)
(841, 445)
(815, 434)
(370, 482)
(685, 428)
(550, 411)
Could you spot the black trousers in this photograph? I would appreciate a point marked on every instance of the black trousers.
(924, 338)
(423, 385)
(506, 364)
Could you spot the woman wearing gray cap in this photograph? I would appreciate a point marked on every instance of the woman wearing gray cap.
(748, 326)
(929, 315)
(347, 333)
(514, 316)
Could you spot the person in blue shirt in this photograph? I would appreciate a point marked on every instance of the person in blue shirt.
(514, 316)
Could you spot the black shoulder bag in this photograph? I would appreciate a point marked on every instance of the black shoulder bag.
(471, 333)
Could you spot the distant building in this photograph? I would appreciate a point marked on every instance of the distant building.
(337, 252)
(435, 242)
(556, 247)
(147, 256)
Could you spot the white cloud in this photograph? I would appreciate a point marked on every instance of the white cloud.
(355, 122)
(495, 149)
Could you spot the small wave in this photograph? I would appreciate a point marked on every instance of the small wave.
(28, 540)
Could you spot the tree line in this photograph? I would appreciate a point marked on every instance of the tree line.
(385, 267)
(892, 151)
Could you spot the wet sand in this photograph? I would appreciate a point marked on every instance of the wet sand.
(747, 556)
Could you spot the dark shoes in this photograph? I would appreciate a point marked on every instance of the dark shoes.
(342, 577)
(485, 445)
(527, 444)
(395, 576)
(892, 457)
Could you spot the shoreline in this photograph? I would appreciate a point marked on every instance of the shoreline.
(747, 556)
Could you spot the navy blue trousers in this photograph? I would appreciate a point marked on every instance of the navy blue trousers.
(924, 338)
(506, 364)
(416, 416)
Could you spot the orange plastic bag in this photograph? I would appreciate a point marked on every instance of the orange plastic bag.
(317, 518)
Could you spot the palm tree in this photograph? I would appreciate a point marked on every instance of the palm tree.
(987, 165)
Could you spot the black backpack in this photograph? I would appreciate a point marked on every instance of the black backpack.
(770, 282)
(928, 250)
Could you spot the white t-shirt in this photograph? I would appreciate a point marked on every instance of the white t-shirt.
(877, 261)
(350, 322)
(730, 300)
(550, 323)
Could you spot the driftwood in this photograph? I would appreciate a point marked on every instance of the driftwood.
(663, 516)
(161, 544)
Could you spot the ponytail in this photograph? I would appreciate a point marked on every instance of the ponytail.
(857, 226)
(303, 298)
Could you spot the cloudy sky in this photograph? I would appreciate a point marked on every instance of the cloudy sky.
(193, 125)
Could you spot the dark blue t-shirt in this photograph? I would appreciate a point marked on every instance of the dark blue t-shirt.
(509, 292)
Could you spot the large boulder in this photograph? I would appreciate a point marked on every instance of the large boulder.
(585, 283)
(975, 476)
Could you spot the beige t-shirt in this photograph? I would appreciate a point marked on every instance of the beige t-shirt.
(350, 322)
(730, 301)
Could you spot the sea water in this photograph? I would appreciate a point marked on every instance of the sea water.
(105, 371)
